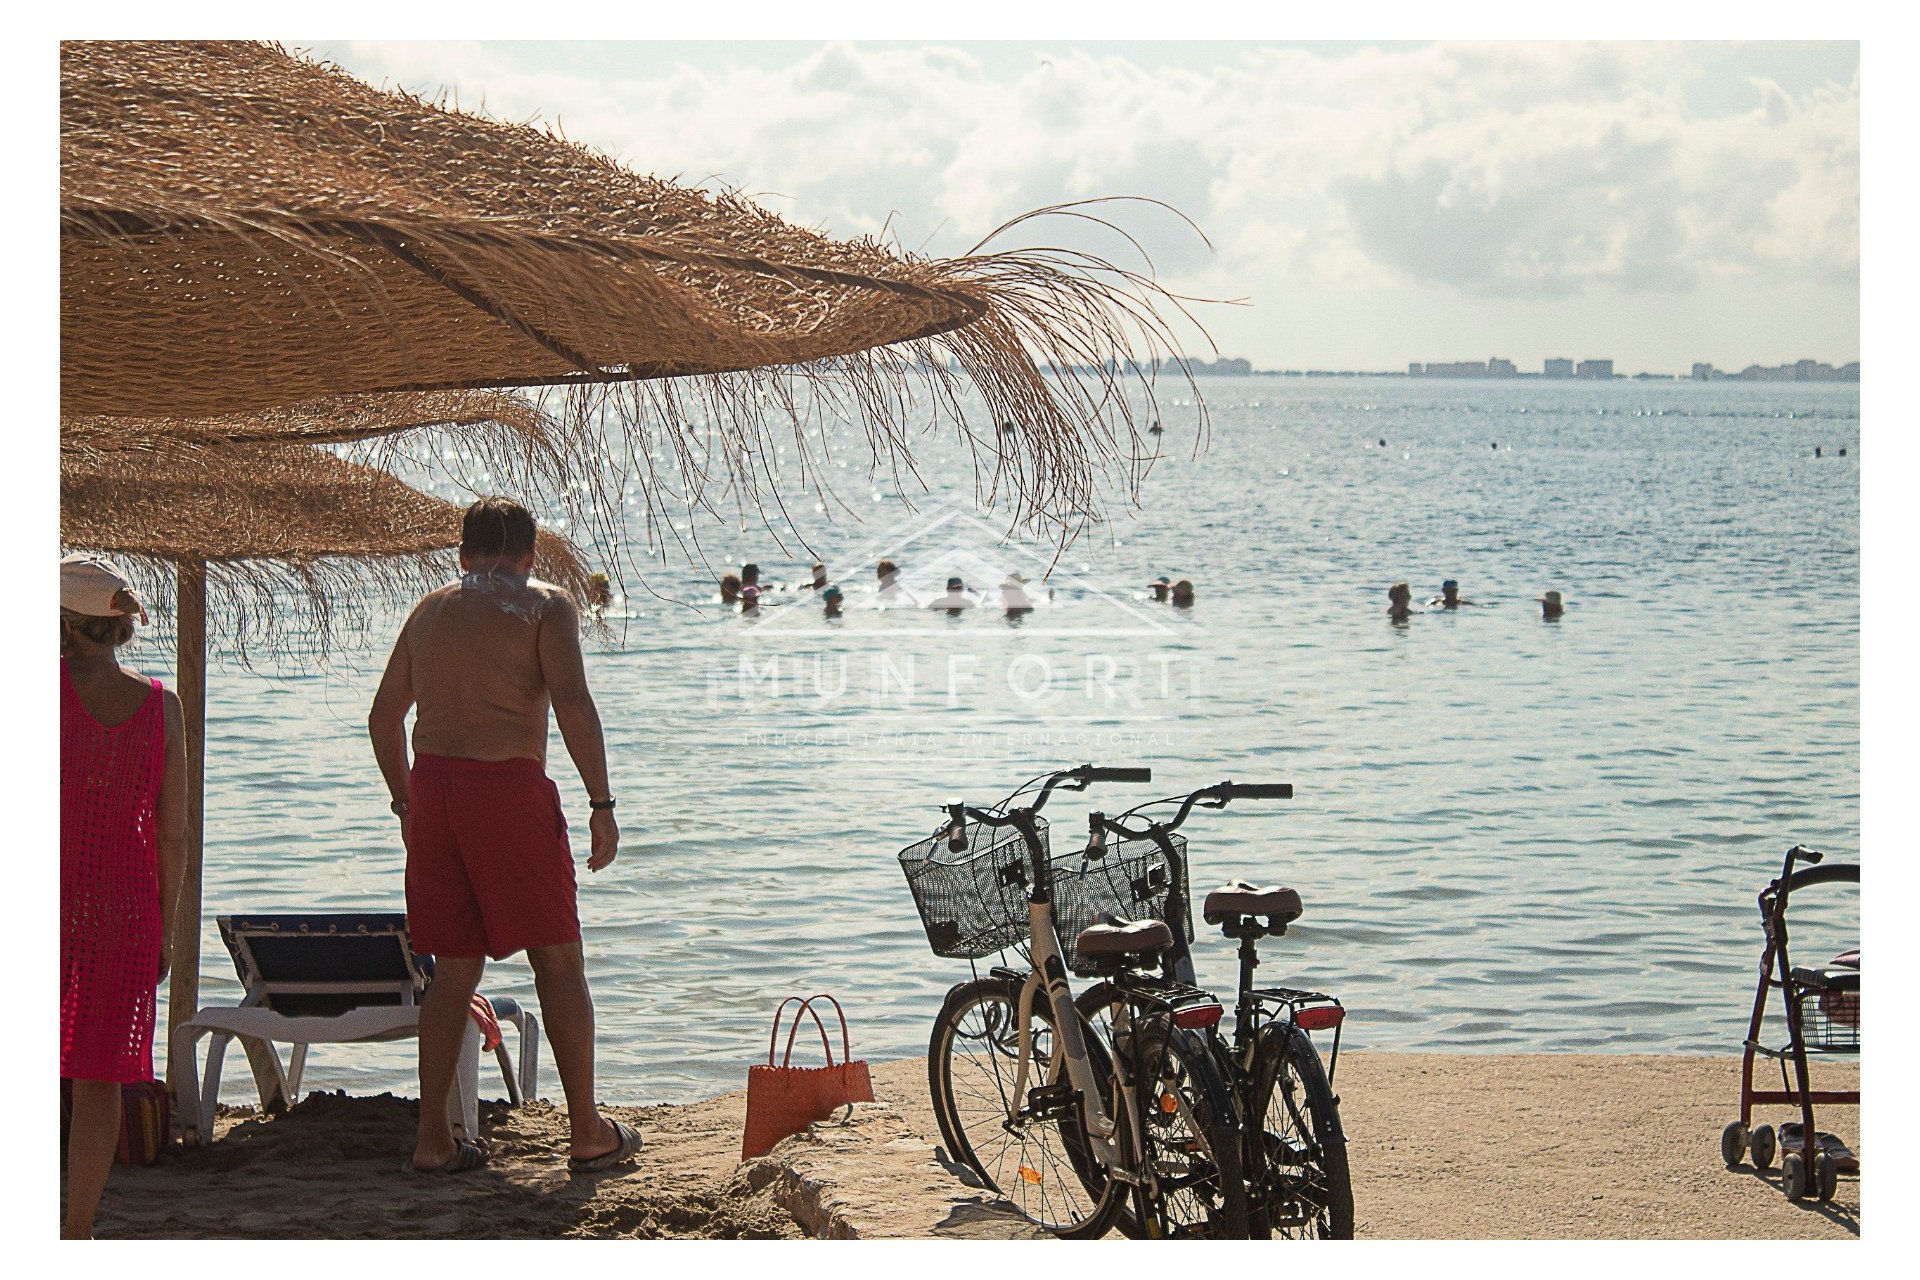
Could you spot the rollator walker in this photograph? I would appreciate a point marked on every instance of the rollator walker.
(1822, 1008)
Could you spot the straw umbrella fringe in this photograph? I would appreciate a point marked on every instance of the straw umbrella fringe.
(288, 534)
(480, 441)
(243, 228)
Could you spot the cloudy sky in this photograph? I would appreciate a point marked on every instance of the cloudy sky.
(1371, 204)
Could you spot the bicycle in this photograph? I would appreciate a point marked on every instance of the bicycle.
(1294, 1152)
(1067, 1124)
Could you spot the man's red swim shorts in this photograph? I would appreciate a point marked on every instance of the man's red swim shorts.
(488, 867)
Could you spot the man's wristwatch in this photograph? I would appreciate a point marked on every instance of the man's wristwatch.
(399, 808)
(601, 804)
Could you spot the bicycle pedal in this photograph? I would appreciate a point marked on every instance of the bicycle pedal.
(1051, 1099)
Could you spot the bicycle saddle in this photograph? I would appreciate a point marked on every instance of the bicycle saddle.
(1123, 938)
(1241, 899)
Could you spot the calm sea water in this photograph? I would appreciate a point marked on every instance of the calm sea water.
(1509, 834)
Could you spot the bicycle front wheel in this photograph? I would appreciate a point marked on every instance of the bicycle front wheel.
(1032, 1150)
(1301, 1189)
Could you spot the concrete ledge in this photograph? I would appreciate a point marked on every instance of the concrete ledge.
(870, 1176)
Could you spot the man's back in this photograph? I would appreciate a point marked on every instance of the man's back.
(489, 864)
(474, 661)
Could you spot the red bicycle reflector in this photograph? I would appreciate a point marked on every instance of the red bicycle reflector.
(1195, 1016)
(1319, 1018)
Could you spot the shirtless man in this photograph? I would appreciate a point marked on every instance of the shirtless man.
(489, 871)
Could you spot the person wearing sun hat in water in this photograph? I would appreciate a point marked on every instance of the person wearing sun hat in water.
(1013, 596)
(1550, 607)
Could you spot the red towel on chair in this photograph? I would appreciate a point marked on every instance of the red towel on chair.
(489, 1025)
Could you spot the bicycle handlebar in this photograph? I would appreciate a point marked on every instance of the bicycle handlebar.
(1075, 779)
(1217, 796)
(1259, 790)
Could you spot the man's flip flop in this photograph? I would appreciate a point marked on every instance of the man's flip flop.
(465, 1156)
(629, 1147)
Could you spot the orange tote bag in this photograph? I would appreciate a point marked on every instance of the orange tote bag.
(783, 1100)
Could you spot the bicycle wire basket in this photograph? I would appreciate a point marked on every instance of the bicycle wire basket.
(1134, 881)
(1830, 1014)
(973, 902)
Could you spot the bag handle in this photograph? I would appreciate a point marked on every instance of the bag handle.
(806, 1006)
(846, 1043)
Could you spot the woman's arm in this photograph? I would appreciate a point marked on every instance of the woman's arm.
(171, 815)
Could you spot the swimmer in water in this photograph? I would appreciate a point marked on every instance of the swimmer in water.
(1014, 598)
(1183, 594)
(819, 582)
(957, 599)
(749, 576)
(1160, 586)
(730, 589)
(891, 593)
(1449, 597)
(831, 597)
(1399, 602)
(749, 599)
(1550, 607)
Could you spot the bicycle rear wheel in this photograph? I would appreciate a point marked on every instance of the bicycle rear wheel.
(1300, 1188)
(1193, 1187)
(1035, 1152)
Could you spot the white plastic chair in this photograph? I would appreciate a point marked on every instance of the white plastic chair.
(330, 978)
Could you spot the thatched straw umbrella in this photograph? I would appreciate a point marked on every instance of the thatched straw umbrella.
(242, 228)
(264, 530)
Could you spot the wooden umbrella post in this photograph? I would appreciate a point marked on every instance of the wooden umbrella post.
(183, 995)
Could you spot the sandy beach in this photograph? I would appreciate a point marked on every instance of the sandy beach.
(1442, 1146)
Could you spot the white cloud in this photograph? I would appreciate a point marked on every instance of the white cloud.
(1525, 172)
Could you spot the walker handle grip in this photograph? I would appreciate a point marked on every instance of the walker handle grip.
(1104, 773)
(1259, 790)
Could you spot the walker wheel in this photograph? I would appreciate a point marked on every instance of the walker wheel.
(1733, 1144)
(1826, 1175)
(1794, 1166)
(1762, 1146)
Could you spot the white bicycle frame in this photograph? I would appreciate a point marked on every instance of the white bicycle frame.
(1050, 970)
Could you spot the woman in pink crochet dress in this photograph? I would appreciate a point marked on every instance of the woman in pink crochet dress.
(122, 849)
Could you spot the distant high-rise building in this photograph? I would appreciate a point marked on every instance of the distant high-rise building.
(1594, 369)
(1498, 368)
(1558, 369)
(1415, 369)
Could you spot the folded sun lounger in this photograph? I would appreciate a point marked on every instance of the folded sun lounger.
(330, 978)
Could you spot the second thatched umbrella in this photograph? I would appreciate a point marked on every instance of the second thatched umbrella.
(263, 528)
